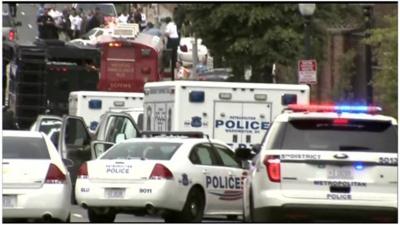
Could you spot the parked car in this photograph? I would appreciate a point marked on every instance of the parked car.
(216, 74)
(36, 183)
(137, 176)
(326, 164)
(92, 37)
(185, 49)
(73, 138)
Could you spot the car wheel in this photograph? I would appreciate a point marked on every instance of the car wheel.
(194, 207)
(96, 216)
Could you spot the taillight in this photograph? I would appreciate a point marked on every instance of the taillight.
(273, 164)
(11, 35)
(161, 172)
(183, 48)
(83, 171)
(54, 175)
(114, 44)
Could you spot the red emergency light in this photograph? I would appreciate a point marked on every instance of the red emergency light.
(335, 108)
(114, 44)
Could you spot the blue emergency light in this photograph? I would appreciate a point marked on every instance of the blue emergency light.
(358, 166)
(335, 108)
(289, 99)
(196, 96)
(95, 104)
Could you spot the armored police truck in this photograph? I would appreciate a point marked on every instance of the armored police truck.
(92, 104)
(236, 113)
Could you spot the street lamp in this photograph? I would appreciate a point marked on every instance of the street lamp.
(307, 10)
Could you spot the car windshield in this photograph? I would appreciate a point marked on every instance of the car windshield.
(6, 21)
(142, 150)
(106, 9)
(337, 135)
(24, 148)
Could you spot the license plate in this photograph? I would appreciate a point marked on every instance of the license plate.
(340, 173)
(115, 192)
(9, 201)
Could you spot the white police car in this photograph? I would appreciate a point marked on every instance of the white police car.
(325, 163)
(178, 178)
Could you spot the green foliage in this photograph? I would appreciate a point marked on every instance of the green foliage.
(384, 43)
(343, 88)
(260, 34)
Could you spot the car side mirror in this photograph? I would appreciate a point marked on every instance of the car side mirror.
(244, 153)
(99, 147)
(68, 163)
(256, 148)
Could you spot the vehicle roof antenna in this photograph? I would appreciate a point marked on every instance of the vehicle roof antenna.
(209, 141)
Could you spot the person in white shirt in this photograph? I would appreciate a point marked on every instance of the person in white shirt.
(123, 17)
(76, 22)
(171, 32)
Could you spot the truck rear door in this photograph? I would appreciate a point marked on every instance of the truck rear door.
(241, 123)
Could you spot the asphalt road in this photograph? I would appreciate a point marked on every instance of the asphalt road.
(79, 215)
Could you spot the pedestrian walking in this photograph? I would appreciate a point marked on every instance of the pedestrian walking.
(171, 32)
(76, 22)
(143, 19)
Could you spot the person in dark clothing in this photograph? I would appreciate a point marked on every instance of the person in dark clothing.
(13, 9)
(9, 122)
(96, 20)
(46, 26)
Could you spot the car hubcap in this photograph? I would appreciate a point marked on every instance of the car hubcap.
(193, 208)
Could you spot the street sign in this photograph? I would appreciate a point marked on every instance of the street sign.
(307, 70)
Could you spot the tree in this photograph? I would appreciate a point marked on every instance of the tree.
(384, 43)
(259, 34)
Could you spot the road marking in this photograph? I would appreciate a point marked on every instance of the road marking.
(30, 26)
(23, 13)
(77, 215)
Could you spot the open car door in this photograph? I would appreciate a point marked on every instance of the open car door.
(117, 126)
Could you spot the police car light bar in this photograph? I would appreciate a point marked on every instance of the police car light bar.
(334, 108)
(190, 134)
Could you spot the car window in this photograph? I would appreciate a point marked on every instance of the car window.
(7, 21)
(353, 135)
(76, 133)
(142, 150)
(202, 154)
(48, 125)
(24, 148)
(227, 156)
(118, 125)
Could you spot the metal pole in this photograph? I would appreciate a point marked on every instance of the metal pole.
(307, 37)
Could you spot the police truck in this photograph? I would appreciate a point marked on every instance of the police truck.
(92, 104)
(237, 113)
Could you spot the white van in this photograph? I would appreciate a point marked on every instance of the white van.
(92, 104)
(236, 113)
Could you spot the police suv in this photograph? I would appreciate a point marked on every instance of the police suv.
(325, 163)
(178, 178)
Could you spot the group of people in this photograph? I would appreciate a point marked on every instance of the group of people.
(68, 24)
(71, 23)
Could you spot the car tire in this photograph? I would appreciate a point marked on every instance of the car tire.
(193, 209)
(232, 217)
(96, 217)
